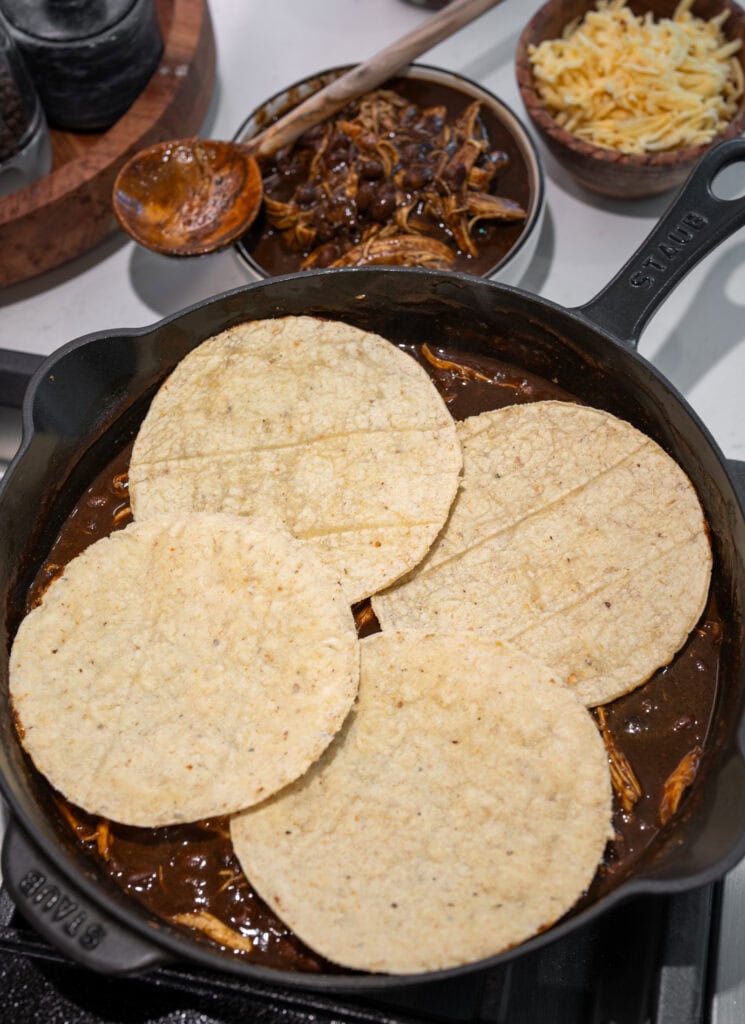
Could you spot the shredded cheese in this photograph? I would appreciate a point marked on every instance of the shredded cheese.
(638, 85)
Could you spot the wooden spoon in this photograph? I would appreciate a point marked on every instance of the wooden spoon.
(188, 197)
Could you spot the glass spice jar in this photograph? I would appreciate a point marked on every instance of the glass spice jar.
(25, 150)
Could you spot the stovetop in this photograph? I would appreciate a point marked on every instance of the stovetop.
(652, 960)
(648, 961)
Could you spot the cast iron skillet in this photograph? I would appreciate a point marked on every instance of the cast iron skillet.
(87, 399)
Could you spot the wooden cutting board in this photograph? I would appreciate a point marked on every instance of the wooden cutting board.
(67, 212)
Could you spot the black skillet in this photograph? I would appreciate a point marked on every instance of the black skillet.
(86, 401)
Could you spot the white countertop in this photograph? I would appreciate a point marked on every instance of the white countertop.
(697, 339)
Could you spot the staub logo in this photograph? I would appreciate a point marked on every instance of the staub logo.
(46, 898)
(668, 250)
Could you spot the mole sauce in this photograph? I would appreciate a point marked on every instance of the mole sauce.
(187, 869)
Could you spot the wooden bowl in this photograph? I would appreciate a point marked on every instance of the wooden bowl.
(607, 171)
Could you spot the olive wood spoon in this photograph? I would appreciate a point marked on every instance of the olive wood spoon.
(188, 197)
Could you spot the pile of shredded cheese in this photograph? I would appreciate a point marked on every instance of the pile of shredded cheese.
(638, 85)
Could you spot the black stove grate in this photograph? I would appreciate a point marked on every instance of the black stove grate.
(647, 961)
(644, 962)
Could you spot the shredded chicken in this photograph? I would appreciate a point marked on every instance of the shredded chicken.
(214, 929)
(625, 784)
(388, 182)
(101, 834)
(446, 364)
(677, 783)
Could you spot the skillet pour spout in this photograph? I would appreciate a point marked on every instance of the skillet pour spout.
(85, 403)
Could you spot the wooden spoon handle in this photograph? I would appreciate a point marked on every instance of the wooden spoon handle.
(367, 75)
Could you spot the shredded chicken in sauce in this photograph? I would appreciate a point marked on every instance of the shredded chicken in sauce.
(388, 182)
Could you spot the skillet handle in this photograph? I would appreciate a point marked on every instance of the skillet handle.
(737, 469)
(65, 917)
(16, 370)
(695, 223)
(737, 472)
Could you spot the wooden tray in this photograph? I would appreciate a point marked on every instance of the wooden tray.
(67, 212)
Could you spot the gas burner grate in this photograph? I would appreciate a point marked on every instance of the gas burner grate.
(644, 962)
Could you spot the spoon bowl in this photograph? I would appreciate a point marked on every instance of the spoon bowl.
(188, 197)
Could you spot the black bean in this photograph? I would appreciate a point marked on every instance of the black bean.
(418, 176)
(365, 195)
(383, 205)
(371, 170)
(454, 174)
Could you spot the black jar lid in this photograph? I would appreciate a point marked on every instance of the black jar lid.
(65, 20)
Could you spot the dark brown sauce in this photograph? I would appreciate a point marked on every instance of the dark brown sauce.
(285, 174)
(192, 868)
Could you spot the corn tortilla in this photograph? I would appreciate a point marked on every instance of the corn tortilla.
(341, 433)
(574, 537)
(463, 807)
(182, 669)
